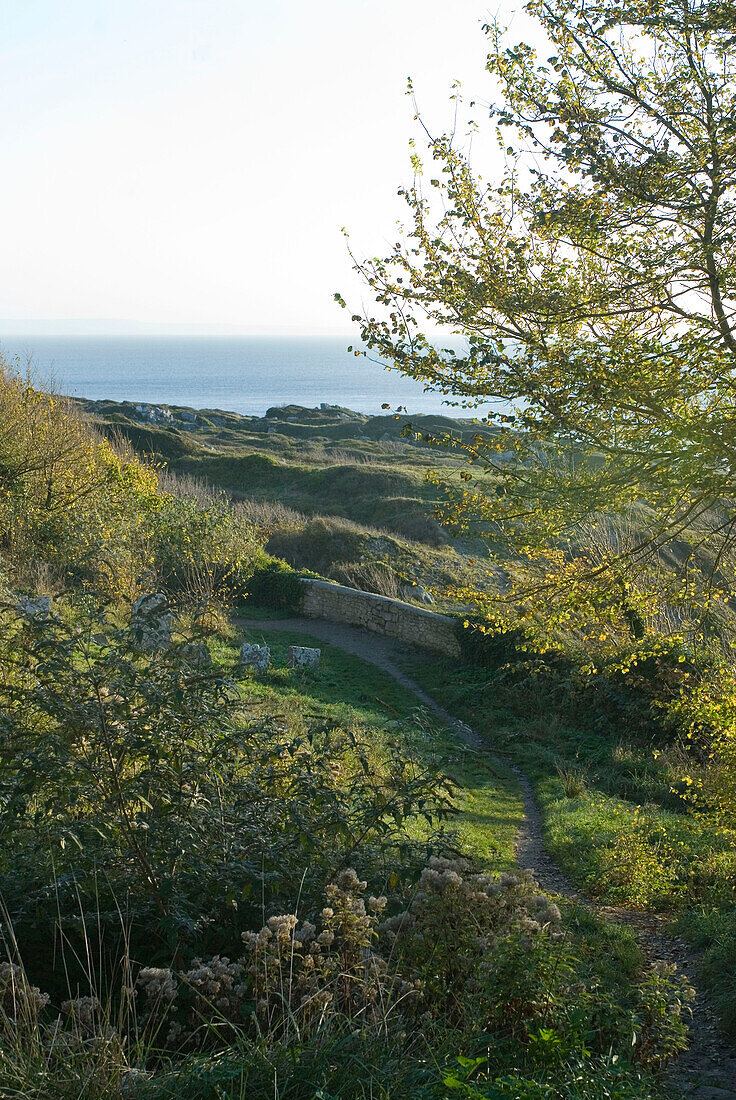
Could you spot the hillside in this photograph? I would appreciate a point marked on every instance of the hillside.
(332, 491)
(223, 881)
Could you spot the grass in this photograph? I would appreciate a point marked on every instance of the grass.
(349, 1062)
(321, 498)
(611, 818)
(487, 794)
(254, 817)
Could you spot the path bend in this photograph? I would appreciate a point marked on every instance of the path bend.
(707, 1069)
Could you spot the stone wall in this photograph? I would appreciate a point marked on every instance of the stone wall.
(391, 618)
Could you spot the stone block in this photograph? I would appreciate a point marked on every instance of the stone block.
(257, 657)
(303, 657)
(197, 655)
(35, 607)
(151, 622)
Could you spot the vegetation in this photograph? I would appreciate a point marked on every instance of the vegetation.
(609, 766)
(294, 883)
(593, 285)
(358, 511)
(219, 883)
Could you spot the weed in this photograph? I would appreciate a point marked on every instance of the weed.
(573, 781)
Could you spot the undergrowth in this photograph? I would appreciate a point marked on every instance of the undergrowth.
(608, 771)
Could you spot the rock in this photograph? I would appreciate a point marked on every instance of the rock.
(35, 607)
(417, 593)
(303, 657)
(188, 417)
(197, 655)
(255, 656)
(386, 437)
(151, 622)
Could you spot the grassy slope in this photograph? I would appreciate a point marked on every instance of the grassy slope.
(610, 816)
(316, 468)
(487, 795)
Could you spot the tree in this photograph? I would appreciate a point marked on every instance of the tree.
(594, 284)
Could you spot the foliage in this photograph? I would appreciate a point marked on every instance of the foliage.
(307, 1002)
(491, 649)
(63, 493)
(594, 286)
(707, 713)
(583, 1078)
(277, 585)
(496, 948)
(623, 835)
(201, 551)
(96, 516)
(137, 780)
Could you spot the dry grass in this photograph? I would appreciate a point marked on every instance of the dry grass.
(368, 577)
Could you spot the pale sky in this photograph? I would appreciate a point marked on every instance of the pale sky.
(192, 162)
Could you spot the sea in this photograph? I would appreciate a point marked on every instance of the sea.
(245, 374)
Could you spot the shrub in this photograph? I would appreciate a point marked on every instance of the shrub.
(300, 1001)
(276, 584)
(135, 781)
(707, 714)
(202, 550)
(96, 516)
(641, 866)
(481, 645)
(451, 933)
(68, 499)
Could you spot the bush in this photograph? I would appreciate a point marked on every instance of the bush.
(201, 550)
(481, 645)
(133, 781)
(276, 584)
(706, 713)
(95, 516)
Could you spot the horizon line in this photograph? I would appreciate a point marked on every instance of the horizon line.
(120, 327)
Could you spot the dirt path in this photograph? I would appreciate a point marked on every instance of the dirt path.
(707, 1070)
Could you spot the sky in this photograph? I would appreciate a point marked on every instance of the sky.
(188, 165)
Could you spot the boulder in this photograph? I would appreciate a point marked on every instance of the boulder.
(151, 622)
(301, 656)
(255, 656)
(197, 655)
(417, 593)
(35, 607)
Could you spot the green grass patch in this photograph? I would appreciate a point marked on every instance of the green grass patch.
(611, 818)
(487, 795)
